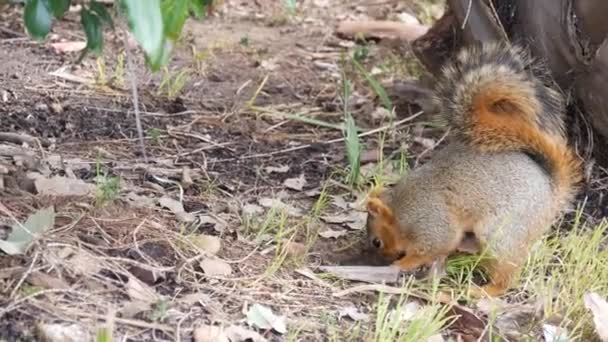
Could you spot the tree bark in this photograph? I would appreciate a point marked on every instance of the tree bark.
(570, 36)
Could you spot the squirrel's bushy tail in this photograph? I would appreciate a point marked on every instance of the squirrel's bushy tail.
(495, 98)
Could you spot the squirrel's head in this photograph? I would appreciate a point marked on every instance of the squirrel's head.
(382, 232)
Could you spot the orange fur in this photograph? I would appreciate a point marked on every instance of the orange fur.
(496, 130)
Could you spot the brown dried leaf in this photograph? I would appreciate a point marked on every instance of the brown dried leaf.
(278, 204)
(210, 333)
(216, 267)
(208, 243)
(65, 47)
(139, 291)
(63, 186)
(176, 208)
(297, 183)
(277, 169)
(354, 314)
(332, 234)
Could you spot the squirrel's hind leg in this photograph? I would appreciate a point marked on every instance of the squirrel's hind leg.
(501, 274)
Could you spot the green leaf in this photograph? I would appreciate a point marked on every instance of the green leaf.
(175, 13)
(197, 8)
(102, 12)
(92, 28)
(146, 22)
(353, 149)
(59, 7)
(38, 18)
(261, 317)
(21, 236)
(376, 86)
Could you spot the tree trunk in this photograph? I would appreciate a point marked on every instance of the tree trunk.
(571, 36)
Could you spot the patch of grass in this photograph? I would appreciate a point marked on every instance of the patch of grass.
(425, 322)
(27, 290)
(108, 187)
(374, 84)
(100, 72)
(154, 134)
(360, 53)
(200, 59)
(160, 310)
(172, 83)
(565, 266)
(118, 77)
(353, 146)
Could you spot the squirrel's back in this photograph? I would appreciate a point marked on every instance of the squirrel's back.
(494, 192)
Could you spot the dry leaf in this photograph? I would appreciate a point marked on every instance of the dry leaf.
(134, 307)
(63, 186)
(210, 333)
(193, 298)
(261, 317)
(252, 209)
(277, 169)
(278, 204)
(68, 46)
(84, 263)
(208, 243)
(354, 220)
(139, 291)
(436, 338)
(139, 201)
(22, 235)
(354, 314)
(239, 334)
(47, 281)
(553, 333)
(295, 183)
(339, 202)
(234, 333)
(405, 313)
(176, 208)
(599, 308)
(511, 320)
(62, 333)
(269, 64)
(218, 225)
(216, 267)
(408, 18)
(332, 234)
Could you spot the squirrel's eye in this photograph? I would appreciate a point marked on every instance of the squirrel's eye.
(377, 243)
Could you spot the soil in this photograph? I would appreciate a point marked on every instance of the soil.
(247, 52)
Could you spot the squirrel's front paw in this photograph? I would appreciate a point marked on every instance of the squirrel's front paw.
(412, 262)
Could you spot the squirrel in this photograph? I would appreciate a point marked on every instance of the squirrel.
(504, 177)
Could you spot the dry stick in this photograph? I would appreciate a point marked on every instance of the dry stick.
(442, 297)
(140, 132)
(297, 148)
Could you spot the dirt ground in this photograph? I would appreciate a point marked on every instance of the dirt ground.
(124, 255)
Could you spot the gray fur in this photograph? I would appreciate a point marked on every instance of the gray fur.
(507, 189)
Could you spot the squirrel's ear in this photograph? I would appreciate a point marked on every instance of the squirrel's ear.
(377, 208)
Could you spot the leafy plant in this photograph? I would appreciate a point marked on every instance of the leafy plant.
(376, 86)
(172, 83)
(155, 24)
(353, 146)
